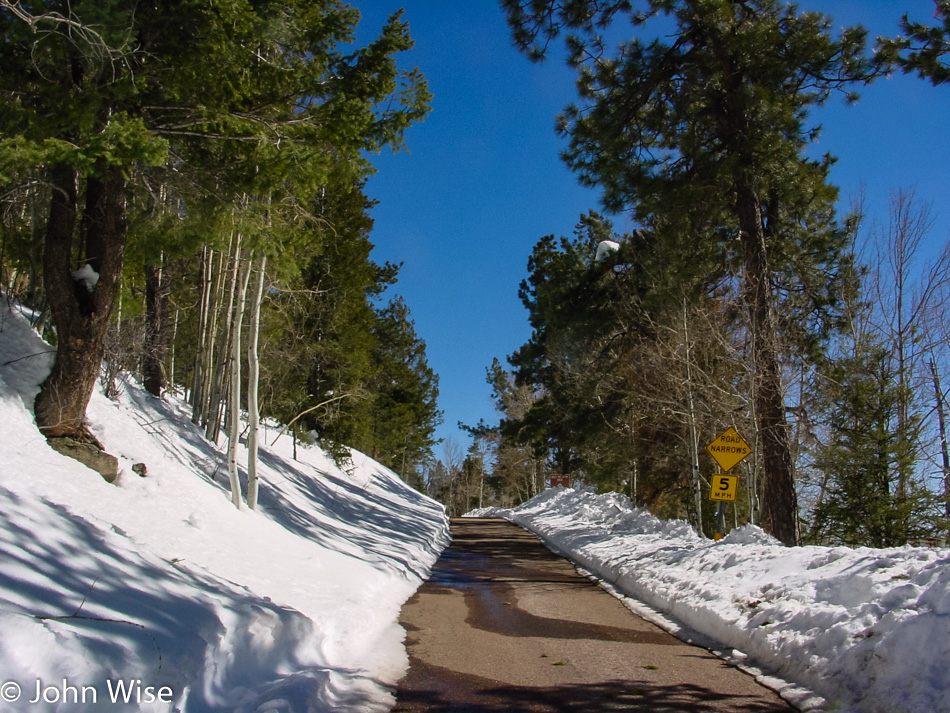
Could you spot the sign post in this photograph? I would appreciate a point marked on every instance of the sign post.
(728, 449)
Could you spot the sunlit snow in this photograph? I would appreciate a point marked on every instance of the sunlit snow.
(831, 628)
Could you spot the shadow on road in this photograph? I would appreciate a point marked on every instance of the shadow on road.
(440, 690)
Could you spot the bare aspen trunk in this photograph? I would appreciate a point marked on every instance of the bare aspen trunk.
(940, 406)
(204, 305)
(213, 424)
(234, 397)
(211, 350)
(118, 315)
(901, 258)
(253, 379)
(171, 340)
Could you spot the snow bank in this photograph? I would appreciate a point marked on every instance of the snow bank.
(156, 594)
(861, 630)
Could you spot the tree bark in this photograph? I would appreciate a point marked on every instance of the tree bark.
(156, 321)
(80, 312)
(941, 409)
(695, 483)
(253, 379)
(216, 386)
(234, 399)
(779, 501)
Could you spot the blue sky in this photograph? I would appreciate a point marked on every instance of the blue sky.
(483, 180)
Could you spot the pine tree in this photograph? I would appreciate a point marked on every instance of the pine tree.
(405, 393)
(257, 100)
(865, 458)
(709, 125)
(922, 48)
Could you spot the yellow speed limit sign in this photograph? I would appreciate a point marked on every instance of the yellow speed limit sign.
(724, 487)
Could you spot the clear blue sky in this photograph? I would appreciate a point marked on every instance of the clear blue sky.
(483, 180)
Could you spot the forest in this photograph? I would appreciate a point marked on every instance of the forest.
(181, 187)
(742, 298)
(182, 199)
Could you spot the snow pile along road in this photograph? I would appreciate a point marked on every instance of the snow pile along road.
(157, 594)
(832, 628)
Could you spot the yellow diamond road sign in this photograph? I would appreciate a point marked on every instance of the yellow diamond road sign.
(728, 449)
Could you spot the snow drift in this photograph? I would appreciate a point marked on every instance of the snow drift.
(831, 628)
(157, 594)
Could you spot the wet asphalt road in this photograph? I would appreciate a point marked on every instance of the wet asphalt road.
(505, 625)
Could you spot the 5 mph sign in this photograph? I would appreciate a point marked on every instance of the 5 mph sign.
(724, 487)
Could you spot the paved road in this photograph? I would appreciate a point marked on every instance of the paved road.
(505, 625)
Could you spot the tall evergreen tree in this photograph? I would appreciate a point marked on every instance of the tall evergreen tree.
(95, 89)
(708, 122)
(632, 359)
(869, 498)
(405, 392)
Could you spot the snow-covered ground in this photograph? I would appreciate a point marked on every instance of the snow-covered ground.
(831, 628)
(159, 592)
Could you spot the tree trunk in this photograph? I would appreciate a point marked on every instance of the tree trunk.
(940, 406)
(80, 310)
(213, 415)
(779, 501)
(156, 320)
(172, 338)
(198, 383)
(696, 482)
(253, 379)
(234, 398)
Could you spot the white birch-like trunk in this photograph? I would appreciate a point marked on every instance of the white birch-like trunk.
(213, 424)
(197, 386)
(941, 410)
(253, 377)
(234, 397)
(213, 353)
(171, 341)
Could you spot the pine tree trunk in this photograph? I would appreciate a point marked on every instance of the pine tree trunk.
(156, 320)
(253, 379)
(81, 315)
(693, 431)
(779, 501)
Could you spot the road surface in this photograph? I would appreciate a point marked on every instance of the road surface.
(505, 625)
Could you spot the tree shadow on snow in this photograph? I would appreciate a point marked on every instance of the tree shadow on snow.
(78, 589)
